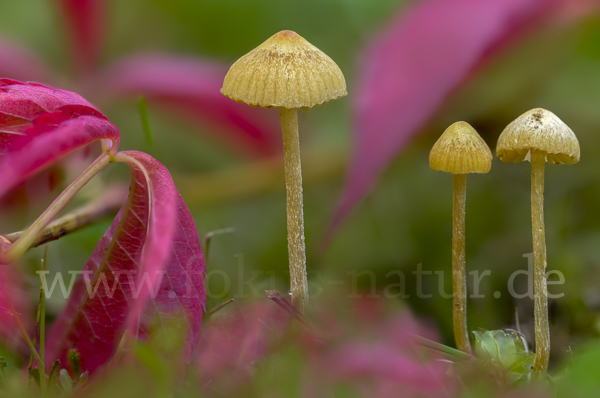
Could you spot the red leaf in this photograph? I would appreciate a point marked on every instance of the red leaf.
(23, 105)
(154, 232)
(13, 291)
(85, 20)
(374, 354)
(411, 67)
(51, 145)
(234, 340)
(18, 63)
(193, 87)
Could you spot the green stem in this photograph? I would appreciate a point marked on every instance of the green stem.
(542, 328)
(41, 364)
(43, 313)
(295, 215)
(16, 249)
(101, 207)
(459, 278)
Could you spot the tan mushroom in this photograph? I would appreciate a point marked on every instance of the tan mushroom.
(460, 151)
(539, 136)
(288, 72)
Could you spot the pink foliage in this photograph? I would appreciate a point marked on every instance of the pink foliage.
(380, 358)
(13, 291)
(149, 261)
(28, 109)
(371, 352)
(149, 265)
(235, 339)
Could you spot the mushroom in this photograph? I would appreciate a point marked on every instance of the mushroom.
(288, 72)
(539, 136)
(459, 151)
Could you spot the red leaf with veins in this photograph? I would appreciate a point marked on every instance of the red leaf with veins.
(410, 69)
(193, 87)
(44, 149)
(85, 20)
(153, 233)
(28, 109)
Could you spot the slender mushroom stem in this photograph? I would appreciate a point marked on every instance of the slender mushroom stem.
(295, 216)
(459, 284)
(542, 330)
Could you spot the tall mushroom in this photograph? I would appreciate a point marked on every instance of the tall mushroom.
(288, 72)
(459, 151)
(539, 136)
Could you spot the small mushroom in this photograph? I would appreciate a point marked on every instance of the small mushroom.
(459, 151)
(539, 136)
(288, 72)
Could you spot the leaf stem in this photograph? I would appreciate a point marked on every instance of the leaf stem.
(81, 217)
(16, 249)
(295, 215)
(43, 312)
(459, 283)
(542, 328)
(31, 347)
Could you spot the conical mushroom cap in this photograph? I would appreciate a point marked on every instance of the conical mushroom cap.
(460, 150)
(538, 129)
(285, 71)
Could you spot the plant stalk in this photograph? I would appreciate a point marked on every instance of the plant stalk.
(41, 364)
(295, 215)
(79, 218)
(29, 236)
(459, 278)
(542, 329)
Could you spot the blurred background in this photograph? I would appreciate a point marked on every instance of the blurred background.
(551, 61)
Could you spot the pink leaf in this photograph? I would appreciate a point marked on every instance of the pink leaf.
(85, 20)
(18, 63)
(148, 261)
(13, 291)
(24, 104)
(376, 356)
(40, 125)
(234, 340)
(410, 69)
(51, 145)
(193, 88)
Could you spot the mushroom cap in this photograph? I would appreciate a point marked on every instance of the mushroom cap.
(285, 71)
(538, 129)
(460, 150)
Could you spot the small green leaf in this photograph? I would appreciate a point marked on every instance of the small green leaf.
(53, 376)
(34, 373)
(507, 349)
(65, 381)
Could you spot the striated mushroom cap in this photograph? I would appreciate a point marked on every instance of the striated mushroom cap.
(538, 129)
(460, 150)
(285, 71)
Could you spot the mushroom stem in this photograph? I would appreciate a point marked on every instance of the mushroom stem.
(459, 284)
(542, 330)
(295, 215)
